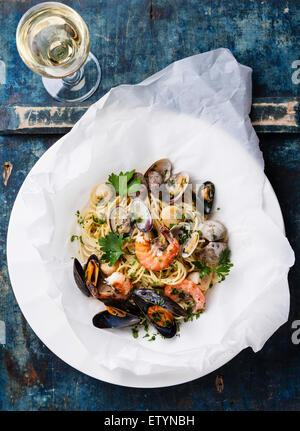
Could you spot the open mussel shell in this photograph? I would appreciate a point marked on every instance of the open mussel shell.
(206, 193)
(114, 318)
(88, 279)
(141, 214)
(158, 173)
(142, 193)
(154, 297)
(78, 273)
(161, 318)
(122, 304)
(177, 185)
(119, 220)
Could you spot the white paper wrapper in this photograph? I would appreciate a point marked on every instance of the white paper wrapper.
(194, 112)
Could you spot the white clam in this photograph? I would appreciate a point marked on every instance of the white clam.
(212, 252)
(213, 230)
(104, 193)
(190, 245)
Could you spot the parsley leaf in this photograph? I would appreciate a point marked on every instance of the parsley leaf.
(124, 183)
(224, 265)
(222, 269)
(111, 245)
(204, 269)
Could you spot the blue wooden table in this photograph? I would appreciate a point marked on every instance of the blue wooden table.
(133, 39)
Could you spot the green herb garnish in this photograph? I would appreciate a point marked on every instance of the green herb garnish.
(224, 265)
(222, 269)
(124, 183)
(111, 245)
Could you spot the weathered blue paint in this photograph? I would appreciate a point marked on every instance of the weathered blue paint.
(133, 39)
(268, 115)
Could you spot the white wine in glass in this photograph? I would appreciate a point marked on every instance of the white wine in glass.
(53, 41)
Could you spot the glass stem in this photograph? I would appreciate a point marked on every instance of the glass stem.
(74, 79)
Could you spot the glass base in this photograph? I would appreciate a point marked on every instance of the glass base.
(77, 87)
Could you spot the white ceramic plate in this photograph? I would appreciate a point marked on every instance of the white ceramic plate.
(49, 322)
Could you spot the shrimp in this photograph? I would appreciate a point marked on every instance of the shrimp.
(187, 287)
(120, 283)
(116, 286)
(152, 255)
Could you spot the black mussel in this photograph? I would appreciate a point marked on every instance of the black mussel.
(119, 220)
(78, 273)
(92, 274)
(114, 318)
(161, 318)
(142, 193)
(122, 304)
(206, 193)
(88, 279)
(158, 298)
(140, 215)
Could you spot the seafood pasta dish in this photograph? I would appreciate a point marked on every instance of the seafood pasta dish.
(149, 249)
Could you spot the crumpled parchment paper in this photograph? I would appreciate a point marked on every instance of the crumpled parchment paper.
(196, 113)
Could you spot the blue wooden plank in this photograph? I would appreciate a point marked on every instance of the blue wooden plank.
(268, 115)
(135, 38)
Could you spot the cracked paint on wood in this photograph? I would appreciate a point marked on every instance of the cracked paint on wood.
(268, 115)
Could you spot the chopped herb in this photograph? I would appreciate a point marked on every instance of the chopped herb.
(124, 183)
(222, 269)
(224, 265)
(111, 245)
(204, 269)
(73, 237)
(99, 220)
(218, 209)
(135, 332)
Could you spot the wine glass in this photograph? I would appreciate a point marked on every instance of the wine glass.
(53, 41)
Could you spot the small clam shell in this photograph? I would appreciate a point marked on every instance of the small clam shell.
(213, 230)
(177, 185)
(103, 193)
(212, 252)
(181, 231)
(119, 220)
(190, 245)
(141, 213)
(158, 173)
